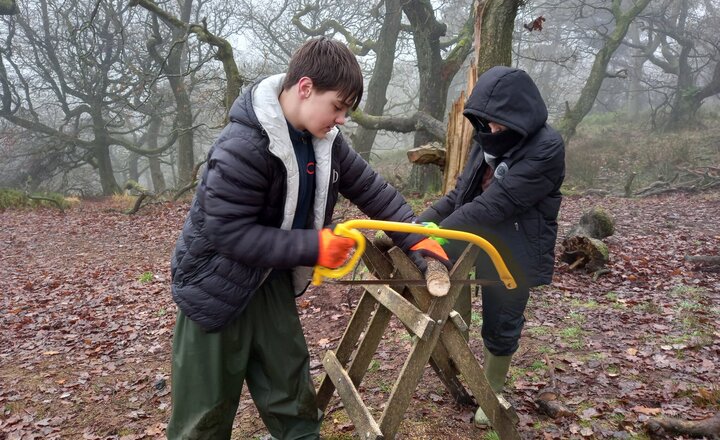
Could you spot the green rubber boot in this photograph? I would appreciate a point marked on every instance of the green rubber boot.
(496, 369)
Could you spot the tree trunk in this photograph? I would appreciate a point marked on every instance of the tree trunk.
(635, 93)
(459, 137)
(158, 180)
(573, 116)
(376, 99)
(493, 18)
(105, 169)
(684, 104)
(436, 75)
(186, 157)
(582, 247)
(433, 87)
(133, 170)
(498, 22)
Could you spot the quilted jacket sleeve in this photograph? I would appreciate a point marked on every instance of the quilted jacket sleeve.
(236, 187)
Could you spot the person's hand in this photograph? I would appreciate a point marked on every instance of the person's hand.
(333, 249)
(428, 248)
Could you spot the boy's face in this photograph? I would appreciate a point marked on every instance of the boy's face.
(320, 111)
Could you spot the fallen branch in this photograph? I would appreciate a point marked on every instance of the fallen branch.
(144, 194)
(709, 428)
(547, 398)
(600, 272)
(703, 259)
(47, 199)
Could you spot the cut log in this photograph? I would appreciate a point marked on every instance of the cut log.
(437, 277)
(432, 153)
(547, 398)
(708, 428)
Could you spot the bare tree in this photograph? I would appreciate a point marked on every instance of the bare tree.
(598, 72)
(680, 42)
(76, 64)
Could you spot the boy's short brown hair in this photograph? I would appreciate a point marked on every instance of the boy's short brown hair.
(331, 67)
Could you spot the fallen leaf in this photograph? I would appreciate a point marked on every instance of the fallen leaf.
(646, 410)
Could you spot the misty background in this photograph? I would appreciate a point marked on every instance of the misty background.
(97, 95)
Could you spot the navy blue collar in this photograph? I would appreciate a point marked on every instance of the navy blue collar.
(297, 136)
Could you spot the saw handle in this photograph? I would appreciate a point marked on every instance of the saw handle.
(350, 228)
(342, 230)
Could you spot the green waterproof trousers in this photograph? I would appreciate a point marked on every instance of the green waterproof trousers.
(264, 346)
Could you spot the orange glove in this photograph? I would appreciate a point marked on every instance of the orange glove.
(428, 248)
(334, 250)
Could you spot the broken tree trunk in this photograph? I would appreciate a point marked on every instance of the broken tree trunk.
(459, 135)
(583, 248)
(708, 428)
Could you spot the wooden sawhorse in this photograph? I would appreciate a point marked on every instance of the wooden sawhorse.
(438, 340)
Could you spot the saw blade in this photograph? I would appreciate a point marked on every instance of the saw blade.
(404, 282)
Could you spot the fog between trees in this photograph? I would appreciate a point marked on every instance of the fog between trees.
(96, 93)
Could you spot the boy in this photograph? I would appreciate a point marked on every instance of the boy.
(509, 193)
(257, 224)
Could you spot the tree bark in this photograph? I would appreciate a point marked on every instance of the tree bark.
(156, 174)
(708, 428)
(133, 167)
(498, 22)
(437, 277)
(418, 121)
(101, 153)
(634, 98)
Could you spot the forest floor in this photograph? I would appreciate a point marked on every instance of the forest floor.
(86, 323)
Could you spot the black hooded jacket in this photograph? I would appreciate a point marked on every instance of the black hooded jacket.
(518, 211)
(239, 225)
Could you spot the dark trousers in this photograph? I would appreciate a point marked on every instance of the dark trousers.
(503, 318)
(266, 347)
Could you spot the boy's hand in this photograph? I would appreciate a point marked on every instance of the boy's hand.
(334, 250)
(428, 248)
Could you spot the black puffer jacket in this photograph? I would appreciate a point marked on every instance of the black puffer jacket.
(239, 225)
(518, 211)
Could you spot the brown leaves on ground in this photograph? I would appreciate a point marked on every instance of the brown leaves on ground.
(87, 318)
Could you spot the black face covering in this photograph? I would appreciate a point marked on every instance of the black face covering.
(498, 143)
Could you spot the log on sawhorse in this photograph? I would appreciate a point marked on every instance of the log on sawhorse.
(438, 340)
